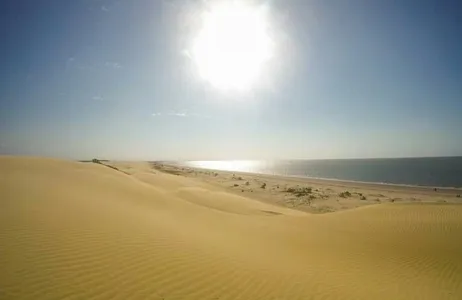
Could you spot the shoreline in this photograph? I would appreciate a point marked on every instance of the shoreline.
(311, 195)
(333, 181)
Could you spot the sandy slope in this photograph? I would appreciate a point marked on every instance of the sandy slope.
(72, 230)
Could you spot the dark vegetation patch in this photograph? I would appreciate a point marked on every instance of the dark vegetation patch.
(299, 191)
(100, 162)
(173, 172)
(345, 194)
(271, 212)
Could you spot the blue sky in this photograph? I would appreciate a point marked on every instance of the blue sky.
(110, 79)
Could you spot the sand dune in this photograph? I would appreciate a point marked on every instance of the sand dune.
(71, 230)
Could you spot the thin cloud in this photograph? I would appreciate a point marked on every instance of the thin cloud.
(177, 114)
(171, 114)
(114, 65)
(74, 63)
(70, 62)
(97, 98)
(104, 8)
(181, 115)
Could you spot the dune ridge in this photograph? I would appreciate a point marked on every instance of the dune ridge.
(71, 230)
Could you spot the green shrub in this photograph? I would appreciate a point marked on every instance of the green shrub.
(345, 194)
(299, 191)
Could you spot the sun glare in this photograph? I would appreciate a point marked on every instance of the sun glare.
(232, 45)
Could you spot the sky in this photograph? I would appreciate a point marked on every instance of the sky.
(115, 79)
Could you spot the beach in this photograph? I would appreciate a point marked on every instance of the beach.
(139, 230)
(310, 194)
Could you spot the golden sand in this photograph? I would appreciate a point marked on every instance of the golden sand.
(71, 230)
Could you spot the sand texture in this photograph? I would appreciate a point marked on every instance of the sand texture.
(72, 230)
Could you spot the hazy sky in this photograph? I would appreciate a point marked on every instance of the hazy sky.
(113, 79)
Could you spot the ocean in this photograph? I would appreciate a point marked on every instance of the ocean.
(428, 171)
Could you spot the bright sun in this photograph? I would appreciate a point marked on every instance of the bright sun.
(232, 45)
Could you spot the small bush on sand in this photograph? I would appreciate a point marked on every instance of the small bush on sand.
(236, 184)
(363, 198)
(299, 191)
(247, 183)
(458, 196)
(95, 161)
(345, 194)
(263, 185)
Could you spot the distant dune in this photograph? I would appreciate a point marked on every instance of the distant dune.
(74, 230)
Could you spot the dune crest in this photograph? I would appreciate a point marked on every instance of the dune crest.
(71, 230)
